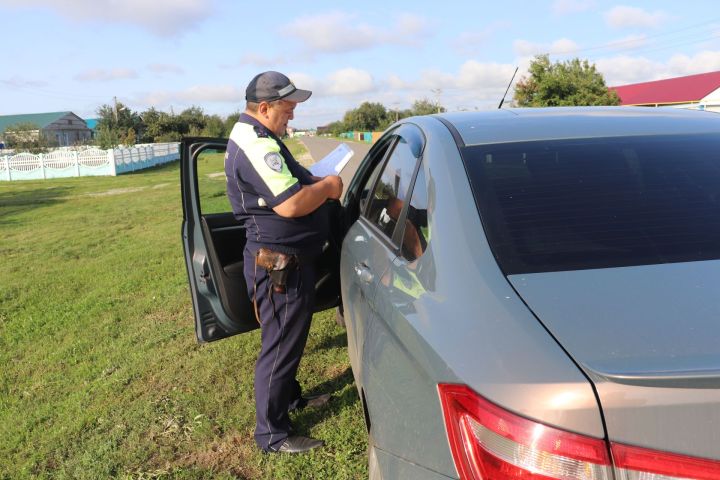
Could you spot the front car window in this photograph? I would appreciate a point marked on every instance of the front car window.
(390, 191)
(597, 203)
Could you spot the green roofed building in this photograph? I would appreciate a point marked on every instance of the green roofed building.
(61, 128)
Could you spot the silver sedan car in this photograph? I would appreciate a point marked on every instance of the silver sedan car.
(537, 293)
(527, 294)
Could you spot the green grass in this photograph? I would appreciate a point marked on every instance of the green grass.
(101, 376)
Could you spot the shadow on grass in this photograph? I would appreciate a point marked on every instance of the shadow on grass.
(165, 167)
(17, 202)
(338, 341)
(306, 418)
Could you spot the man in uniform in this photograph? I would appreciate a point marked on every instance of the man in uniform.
(281, 206)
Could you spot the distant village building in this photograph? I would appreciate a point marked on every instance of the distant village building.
(61, 128)
(699, 92)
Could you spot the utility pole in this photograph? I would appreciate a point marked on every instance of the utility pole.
(115, 109)
(437, 92)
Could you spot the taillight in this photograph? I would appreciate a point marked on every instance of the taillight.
(634, 463)
(490, 443)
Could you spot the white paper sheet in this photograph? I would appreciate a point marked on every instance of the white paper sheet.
(334, 162)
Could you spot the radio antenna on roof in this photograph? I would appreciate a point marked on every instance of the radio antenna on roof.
(508, 88)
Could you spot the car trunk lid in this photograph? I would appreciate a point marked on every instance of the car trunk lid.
(649, 339)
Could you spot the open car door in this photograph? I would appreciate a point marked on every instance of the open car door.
(213, 241)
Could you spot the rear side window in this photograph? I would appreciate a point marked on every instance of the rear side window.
(597, 203)
(417, 231)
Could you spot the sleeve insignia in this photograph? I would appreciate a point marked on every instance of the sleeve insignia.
(274, 161)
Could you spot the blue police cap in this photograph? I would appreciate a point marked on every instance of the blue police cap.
(271, 86)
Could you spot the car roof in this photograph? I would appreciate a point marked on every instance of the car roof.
(532, 124)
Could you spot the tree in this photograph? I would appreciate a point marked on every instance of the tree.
(336, 128)
(162, 127)
(367, 117)
(129, 139)
(192, 121)
(573, 82)
(106, 137)
(426, 107)
(230, 122)
(117, 119)
(214, 127)
(151, 125)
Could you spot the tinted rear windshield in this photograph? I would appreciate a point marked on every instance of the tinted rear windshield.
(598, 203)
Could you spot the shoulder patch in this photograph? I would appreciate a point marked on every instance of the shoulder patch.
(274, 161)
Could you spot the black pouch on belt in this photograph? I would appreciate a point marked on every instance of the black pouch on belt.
(278, 265)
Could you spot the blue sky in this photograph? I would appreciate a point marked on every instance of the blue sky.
(171, 54)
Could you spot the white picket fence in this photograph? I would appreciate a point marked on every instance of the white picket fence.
(73, 163)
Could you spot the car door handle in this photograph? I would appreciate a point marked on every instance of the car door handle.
(363, 273)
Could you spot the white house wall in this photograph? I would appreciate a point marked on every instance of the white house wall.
(712, 101)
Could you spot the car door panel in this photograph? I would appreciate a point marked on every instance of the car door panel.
(363, 267)
(214, 244)
(211, 243)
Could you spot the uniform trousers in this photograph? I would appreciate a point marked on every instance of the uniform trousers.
(284, 323)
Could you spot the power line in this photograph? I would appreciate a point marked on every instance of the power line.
(630, 45)
(53, 93)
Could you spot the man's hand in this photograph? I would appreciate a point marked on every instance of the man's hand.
(335, 186)
(310, 197)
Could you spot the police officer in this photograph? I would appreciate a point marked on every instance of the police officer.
(281, 206)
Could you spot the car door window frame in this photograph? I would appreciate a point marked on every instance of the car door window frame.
(399, 233)
(416, 140)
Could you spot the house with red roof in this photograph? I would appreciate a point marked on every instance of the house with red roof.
(701, 92)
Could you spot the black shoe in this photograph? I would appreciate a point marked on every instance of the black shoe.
(299, 444)
(315, 401)
(311, 401)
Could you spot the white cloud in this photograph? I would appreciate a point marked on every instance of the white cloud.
(196, 94)
(474, 85)
(472, 43)
(410, 28)
(701, 62)
(304, 81)
(563, 46)
(623, 16)
(20, 82)
(350, 81)
(524, 48)
(161, 17)
(396, 83)
(331, 32)
(435, 79)
(628, 43)
(625, 69)
(336, 32)
(161, 68)
(102, 75)
(262, 60)
(475, 75)
(565, 7)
